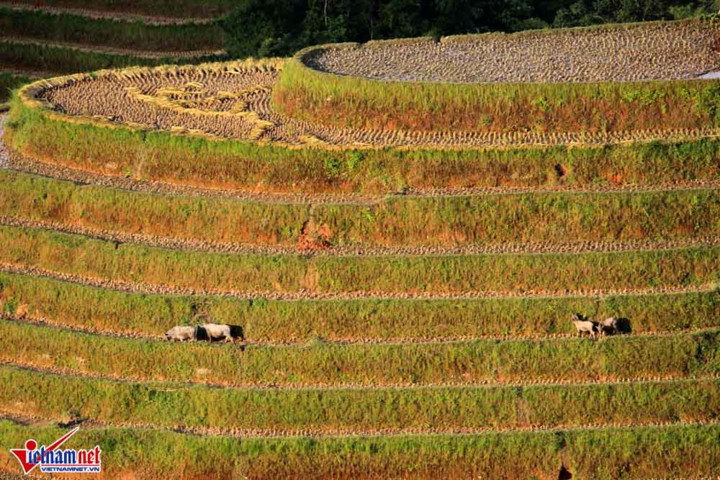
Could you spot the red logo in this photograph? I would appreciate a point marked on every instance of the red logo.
(52, 459)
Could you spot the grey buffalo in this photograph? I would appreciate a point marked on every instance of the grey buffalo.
(180, 334)
(217, 332)
(209, 332)
(609, 326)
(584, 326)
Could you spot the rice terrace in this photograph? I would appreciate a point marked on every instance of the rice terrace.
(489, 255)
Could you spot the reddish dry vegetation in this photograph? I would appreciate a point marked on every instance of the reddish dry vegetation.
(314, 237)
(586, 113)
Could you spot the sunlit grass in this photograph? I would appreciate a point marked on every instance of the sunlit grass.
(341, 275)
(319, 363)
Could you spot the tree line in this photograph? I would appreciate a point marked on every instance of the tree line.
(263, 28)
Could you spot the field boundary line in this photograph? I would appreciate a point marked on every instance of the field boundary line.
(324, 387)
(553, 337)
(148, 288)
(75, 374)
(189, 245)
(15, 415)
(24, 419)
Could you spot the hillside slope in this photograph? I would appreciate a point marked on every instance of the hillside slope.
(402, 298)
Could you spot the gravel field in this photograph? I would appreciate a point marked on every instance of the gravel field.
(626, 53)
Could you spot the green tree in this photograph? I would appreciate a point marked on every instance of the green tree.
(257, 28)
(586, 12)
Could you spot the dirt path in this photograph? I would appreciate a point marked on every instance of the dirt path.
(150, 289)
(76, 374)
(22, 418)
(169, 243)
(546, 337)
(17, 414)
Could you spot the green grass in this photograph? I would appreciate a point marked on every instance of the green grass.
(299, 321)
(189, 218)
(245, 166)
(546, 217)
(111, 33)
(68, 60)
(9, 82)
(461, 363)
(358, 410)
(164, 8)
(402, 221)
(355, 102)
(595, 453)
(73, 254)
(76, 254)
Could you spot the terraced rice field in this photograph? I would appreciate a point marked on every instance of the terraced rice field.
(610, 81)
(109, 11)
(199, 100)
(292, 103)
(404, 296)
(162, 11)
(618, 54)
(52, 38)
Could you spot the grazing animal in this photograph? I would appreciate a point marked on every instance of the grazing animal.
(201, 334)
(609, 326)
(180, 334)
(236, 332)
(217, 332)
(583, 326)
